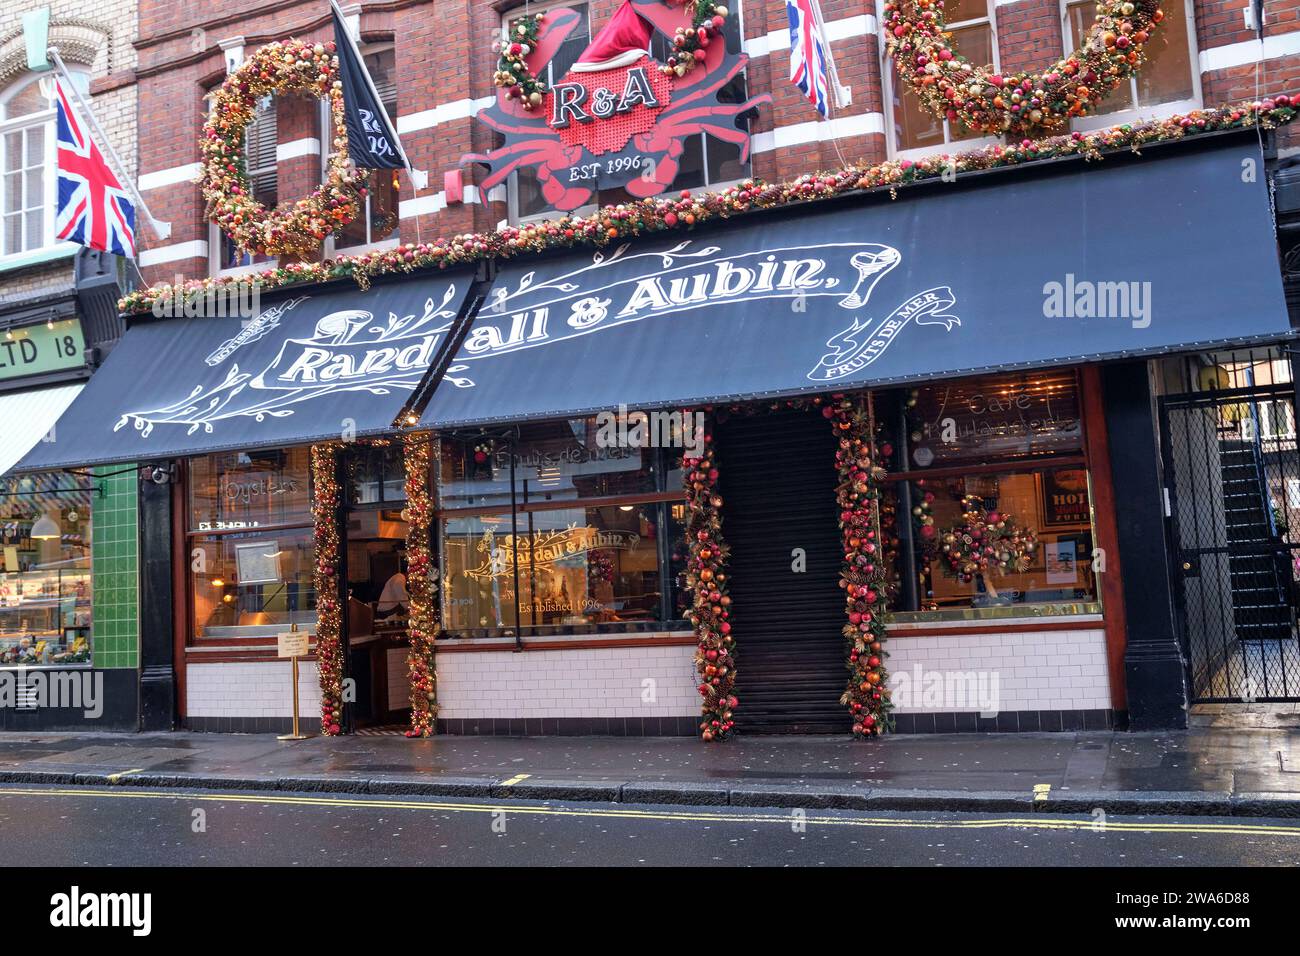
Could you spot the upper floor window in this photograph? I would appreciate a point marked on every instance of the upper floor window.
(260, 140)
(972, 32)
(27, 164)
(1166, 84)
(705, 160)
(524, 192)
(377, 221)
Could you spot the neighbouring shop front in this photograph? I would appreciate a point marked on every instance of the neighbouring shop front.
(585, 492)
(68, 636)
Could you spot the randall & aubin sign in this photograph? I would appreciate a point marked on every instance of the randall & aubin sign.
(624, 286)
(819, 296)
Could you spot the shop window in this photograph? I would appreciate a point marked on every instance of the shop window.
(988, 512)
(544, 530)
(972, 31)
(260, 140)
(377, 223)
(250, 543)
(45, 581)
(27, 164)
(1167, 82)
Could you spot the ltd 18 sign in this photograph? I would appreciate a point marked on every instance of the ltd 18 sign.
(617, 117)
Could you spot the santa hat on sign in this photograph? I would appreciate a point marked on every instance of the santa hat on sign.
(624, 40)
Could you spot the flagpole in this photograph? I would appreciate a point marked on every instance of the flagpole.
(830, 57)
(161, 229)
(420, 179)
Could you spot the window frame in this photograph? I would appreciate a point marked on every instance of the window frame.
(49, 164)
(662, 498)
(1138, 112)
(512, 184)
(1031, 464)
(330, 248)
(890, 84)
(216, 239)
(193, 535)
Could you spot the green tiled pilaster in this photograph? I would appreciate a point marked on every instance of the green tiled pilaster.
(115, 552)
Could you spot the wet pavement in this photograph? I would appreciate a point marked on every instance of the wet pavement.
(1216, 768)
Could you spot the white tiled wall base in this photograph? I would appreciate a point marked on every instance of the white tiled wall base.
(593, 682)
(1035, 670)
(250, 689)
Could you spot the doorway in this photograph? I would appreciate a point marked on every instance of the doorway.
(1233, 473)
(777, 479)
(373, 545)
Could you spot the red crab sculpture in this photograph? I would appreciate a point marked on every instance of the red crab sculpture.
(639, 145)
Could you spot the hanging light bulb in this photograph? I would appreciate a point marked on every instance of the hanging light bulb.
(45, 529)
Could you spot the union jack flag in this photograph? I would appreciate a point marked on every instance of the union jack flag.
(93, 208)
(807, 54)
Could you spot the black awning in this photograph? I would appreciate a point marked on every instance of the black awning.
(311, 366)
(1085, 262)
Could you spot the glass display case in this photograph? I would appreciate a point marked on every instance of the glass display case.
(45, 579)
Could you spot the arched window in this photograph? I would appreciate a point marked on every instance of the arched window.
(28, 178)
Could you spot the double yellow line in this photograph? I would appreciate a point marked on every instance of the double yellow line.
(782, 818)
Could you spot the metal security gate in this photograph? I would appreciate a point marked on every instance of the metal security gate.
(778, 482)
(1233, 474)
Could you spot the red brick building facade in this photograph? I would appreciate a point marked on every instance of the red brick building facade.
(434, 63)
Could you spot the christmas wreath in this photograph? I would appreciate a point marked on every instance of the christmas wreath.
(294, 227)
(985, 542)
(951, 86)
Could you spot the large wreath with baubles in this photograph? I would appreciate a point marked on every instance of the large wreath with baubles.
(951, 87)
(294, 227)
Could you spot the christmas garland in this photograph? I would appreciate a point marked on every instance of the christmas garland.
(421, 584)
(326, 498)
(294, 227)
(862, 578)
(690, 43)
(512, 73)
(950, 86)
(706, 578)
(625, 221)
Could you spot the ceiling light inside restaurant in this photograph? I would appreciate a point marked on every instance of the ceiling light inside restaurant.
(45, 529)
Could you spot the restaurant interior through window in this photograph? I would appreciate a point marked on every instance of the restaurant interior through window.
(546, 529)
(45, 569)
(988, 507)
(250, 544)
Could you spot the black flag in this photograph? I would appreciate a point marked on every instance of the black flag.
(372, 141)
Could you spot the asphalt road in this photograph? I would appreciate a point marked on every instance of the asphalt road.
(122, 826)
